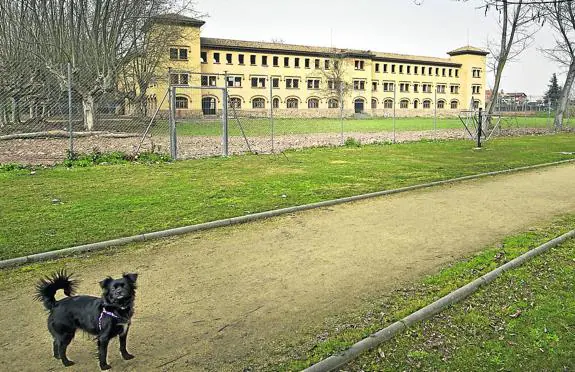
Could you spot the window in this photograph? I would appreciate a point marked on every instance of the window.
(229, 58)
(359, 85)
(179, 79)
(258, 103)
(476, 104)
(276, 103)
(409, 69)
(252, 59)
(385, 67)
(179, 54)
(454, 89)
(426, 88)
(401, 69)
(264, 60)
(292, 103)
(275, 82)
(276, 61)
(373, 103)
(258, 82)
(316, 63)
(234, 81)
(374, 86)
(312, 83)
(313, 103)
(456, 73)
(296, 62)
(333, 85)
(388, 103)
(332, 103)
(216, 57)
(403, 104)
(377, 67)
(430, 71)
(440, 104)
(359, 64)
(443, 72)
(209, 80)
(182, 103)
(475, 89)
(236, 102)
(415, 71)
(204, 57)
(454, 105)
(422, 70)
(393, 69)
(426, 104)
(241, 59)
(450, 72)
(416, 88)
(404, 87)
(306, 63)
(286, 61)
(415, 104)
(388, 87)
(476, 73)
(437, 71)
(326, 64)
(441, 88)
(292, 83)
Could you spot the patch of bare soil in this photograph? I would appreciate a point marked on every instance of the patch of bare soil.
(53, 150)
(235, 297)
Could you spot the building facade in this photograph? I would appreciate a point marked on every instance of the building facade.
(301, 81)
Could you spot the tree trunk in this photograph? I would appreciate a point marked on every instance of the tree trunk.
(15, 114)
(89, 106)
(564, 98)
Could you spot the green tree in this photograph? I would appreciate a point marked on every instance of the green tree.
(553, 91)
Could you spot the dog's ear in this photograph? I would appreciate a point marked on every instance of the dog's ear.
(104, 283)
(131, 277)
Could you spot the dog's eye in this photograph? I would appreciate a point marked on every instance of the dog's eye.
(118, 285)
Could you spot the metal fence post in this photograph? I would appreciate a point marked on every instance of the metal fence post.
(225, 121)
(479, 125)
(341, 110)
(272, 111)
(71, 154)
(435, 114)
(172, 124)
(394, 104)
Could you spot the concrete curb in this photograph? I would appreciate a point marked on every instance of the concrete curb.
(247, 218)
(335, 361)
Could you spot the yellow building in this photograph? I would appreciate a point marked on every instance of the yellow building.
(293, 79)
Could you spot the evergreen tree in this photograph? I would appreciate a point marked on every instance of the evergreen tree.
(554, 91)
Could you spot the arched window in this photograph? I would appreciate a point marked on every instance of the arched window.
(441, 104)
(476, 104)
(312, 103)
(292, 103)
(403, 104)
(426, 104)
(454, 105)
(373, 103)
(359, 104)
(276, 103)
(258, 103)
(182, 103)
(236, 102)
(388, 104)
(415, 104)
(332, 103)
(209, 105)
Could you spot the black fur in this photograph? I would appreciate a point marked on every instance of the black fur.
(105, 317)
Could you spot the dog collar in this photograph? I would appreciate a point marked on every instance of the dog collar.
(108, 313)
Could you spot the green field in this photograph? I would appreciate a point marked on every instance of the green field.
(520, 322)
(59, 207)
(262, 127)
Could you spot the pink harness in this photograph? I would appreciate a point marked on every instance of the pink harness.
(105, 312)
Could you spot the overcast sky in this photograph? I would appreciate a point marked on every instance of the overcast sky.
(395, 26)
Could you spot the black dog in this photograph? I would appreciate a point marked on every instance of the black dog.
(105, 317)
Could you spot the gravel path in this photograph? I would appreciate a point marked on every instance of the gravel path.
(220, 300)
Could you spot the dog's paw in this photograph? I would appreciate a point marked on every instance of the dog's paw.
(127, 356)
(104, 367)
(67, 363)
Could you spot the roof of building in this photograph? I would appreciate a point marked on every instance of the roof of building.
(468, 49)
(260, 46)
(178, 19)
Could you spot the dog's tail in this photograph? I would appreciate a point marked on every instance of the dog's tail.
(46, 288)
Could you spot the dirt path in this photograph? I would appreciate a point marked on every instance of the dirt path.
(219, 300)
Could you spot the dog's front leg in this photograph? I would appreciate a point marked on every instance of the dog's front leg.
(123, 350)
(103, 353)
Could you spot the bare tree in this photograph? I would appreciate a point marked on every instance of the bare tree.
(561, 18)
(336, 84)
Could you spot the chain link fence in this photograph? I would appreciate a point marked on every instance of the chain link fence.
(54, 120)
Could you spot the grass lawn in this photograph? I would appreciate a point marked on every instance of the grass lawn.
(59, 207)
(522, 321)
(262, 127)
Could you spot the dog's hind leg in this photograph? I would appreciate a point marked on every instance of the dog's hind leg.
(123, 350)
(55, 349)
(63, 342)
(103, 353)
